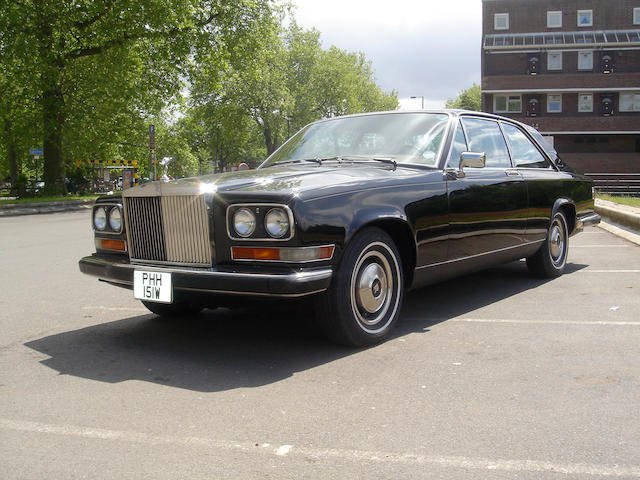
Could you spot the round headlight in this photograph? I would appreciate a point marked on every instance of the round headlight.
(276, 222)
(244, 222)
(100, 218)
(115, 219)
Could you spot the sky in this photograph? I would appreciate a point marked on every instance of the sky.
(427, 48)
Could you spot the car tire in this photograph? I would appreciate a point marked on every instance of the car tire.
(551, 259)
(172, 310)
(363, 302)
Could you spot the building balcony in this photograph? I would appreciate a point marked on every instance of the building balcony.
(562, 82)
(583, 124)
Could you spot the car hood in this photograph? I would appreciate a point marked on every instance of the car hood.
(293, 180)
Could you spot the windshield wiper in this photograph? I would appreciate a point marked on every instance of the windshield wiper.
(339, 159)
(355, 158)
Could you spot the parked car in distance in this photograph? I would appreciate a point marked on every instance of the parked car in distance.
(351, 211)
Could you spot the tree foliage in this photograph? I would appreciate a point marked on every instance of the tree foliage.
(469, 99)
(107, 65)
(85, 78)
(290, 81)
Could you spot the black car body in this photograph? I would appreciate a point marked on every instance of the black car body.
(352, 210)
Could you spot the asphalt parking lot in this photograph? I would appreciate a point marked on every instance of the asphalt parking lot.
(496, 375)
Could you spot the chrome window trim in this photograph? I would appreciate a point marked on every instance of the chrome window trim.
(286, 261)
(107, 229)
(267, 238)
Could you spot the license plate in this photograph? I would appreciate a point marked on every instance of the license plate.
(152, 286)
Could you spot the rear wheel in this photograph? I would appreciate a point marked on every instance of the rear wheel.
(173, 310)
(551, 259)
(363, 302)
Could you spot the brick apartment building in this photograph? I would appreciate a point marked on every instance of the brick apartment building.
(571, 69)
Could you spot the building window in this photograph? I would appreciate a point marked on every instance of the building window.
(507, 103)
(501, 21)
(636, 16)
(630, 102)
(554, 61)
(585, 60)
(554, 19)
(585, 102)
(585, 18)
(554, 103)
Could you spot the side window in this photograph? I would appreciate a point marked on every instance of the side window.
(458, 146)
(524, 153)
(485, 136)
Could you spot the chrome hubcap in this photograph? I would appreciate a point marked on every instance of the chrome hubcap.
(557, 242)
(371, 290)
(373, 300)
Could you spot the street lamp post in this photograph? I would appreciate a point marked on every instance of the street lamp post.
(422, 103)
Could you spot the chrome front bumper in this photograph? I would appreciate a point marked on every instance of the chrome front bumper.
(232, 280)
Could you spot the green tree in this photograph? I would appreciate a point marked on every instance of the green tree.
(290, 81)
(97, 63)
(469, 99)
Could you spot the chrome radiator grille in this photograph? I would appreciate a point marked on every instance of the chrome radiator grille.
(170, 229)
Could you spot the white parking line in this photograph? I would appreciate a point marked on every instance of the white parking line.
(600, 246)
(447, 461)
(589, 270)
(543, 322)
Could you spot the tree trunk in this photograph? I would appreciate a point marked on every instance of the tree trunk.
(52, 119)
(52, 109)
(269, 140)
(14, 165)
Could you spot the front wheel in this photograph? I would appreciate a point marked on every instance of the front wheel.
(551, 259)
(363, 302)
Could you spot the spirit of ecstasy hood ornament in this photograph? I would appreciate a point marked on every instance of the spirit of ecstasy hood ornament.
(164, 163)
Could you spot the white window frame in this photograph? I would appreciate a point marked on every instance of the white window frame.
(508, 99)
(497, 18)
(636, 16)
(551, 67)
(584, 12)
(584, 105)
(589, 63)
(557, 98)
(554, 15)
(629, 104)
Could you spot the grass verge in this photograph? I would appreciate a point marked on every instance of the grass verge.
(46, 199)
(622, 199)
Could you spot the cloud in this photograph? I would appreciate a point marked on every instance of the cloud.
(416, 47)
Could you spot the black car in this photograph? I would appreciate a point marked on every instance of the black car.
(351, 210)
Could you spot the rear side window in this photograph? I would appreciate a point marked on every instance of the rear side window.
(524, 154)
(458, 146)
(485, 136)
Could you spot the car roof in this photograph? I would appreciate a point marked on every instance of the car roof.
(453, 112)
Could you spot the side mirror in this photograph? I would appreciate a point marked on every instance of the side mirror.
(471, 160)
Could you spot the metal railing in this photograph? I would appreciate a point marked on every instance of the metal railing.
(616, 183)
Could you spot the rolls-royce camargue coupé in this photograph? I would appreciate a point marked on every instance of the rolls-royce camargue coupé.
(352, 211)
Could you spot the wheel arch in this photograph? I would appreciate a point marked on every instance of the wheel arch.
(569, 209)
(403, 237)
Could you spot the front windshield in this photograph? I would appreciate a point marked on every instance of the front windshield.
(403, 137)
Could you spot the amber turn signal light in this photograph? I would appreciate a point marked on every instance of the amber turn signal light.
(111, 244)
(283, 254)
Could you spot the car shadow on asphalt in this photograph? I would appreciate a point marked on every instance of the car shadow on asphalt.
(226, 349)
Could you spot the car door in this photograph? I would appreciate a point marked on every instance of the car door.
(542, 180)
(487, 206)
